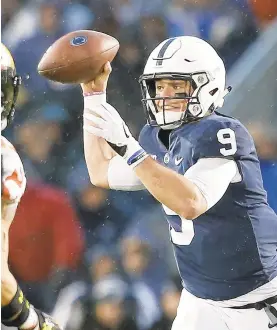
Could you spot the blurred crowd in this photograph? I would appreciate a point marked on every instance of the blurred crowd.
(98, 259)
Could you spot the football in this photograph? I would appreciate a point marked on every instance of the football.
(78, 56)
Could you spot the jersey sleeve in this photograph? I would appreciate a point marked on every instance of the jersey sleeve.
(122, 177)
(224, 139)
(12, 173)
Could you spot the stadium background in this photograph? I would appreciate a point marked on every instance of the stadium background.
(97, 259)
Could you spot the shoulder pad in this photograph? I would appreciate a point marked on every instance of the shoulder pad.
(223, 137)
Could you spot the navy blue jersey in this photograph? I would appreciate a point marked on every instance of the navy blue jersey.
(231, 249)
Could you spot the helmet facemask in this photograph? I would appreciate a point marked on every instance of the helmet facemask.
(168, 119)
(10, 83)
(184, 58)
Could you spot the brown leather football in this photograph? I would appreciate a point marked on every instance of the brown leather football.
(78, 56)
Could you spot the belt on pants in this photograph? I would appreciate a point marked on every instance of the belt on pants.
(269, 309)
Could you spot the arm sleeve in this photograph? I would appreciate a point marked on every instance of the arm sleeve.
(122, 177)
(224, 139)
(212, 176)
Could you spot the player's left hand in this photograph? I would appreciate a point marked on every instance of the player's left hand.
(105, 122)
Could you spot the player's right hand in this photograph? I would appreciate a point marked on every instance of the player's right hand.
(99, 83)
(46, 322)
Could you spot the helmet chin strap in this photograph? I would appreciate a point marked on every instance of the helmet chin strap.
(220, 100)
(170, 117)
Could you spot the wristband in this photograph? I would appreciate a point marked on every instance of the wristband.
(17, 311)
(135, 154)
(94, 99)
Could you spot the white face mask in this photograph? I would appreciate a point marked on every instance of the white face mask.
(168, 117)
(4, 123)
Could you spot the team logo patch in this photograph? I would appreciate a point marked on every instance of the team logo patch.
(166, 158)
(78, 41)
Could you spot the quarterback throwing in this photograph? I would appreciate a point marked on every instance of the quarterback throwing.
(205, 173)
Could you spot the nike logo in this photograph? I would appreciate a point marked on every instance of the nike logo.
(178, 161)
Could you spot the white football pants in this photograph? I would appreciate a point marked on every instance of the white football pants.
(199, 314)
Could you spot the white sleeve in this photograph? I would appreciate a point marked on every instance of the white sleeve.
(212, 176)
(122, 177)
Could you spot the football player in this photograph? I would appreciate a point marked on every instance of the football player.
(15, 308)
(203, 168)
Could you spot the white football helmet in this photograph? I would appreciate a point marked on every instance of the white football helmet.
(184, 58)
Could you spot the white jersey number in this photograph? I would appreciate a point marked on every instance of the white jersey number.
(227, 136)
(185, 236)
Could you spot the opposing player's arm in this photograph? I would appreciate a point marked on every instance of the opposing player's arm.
(8, 211)
(13, 181)
(7, 215)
